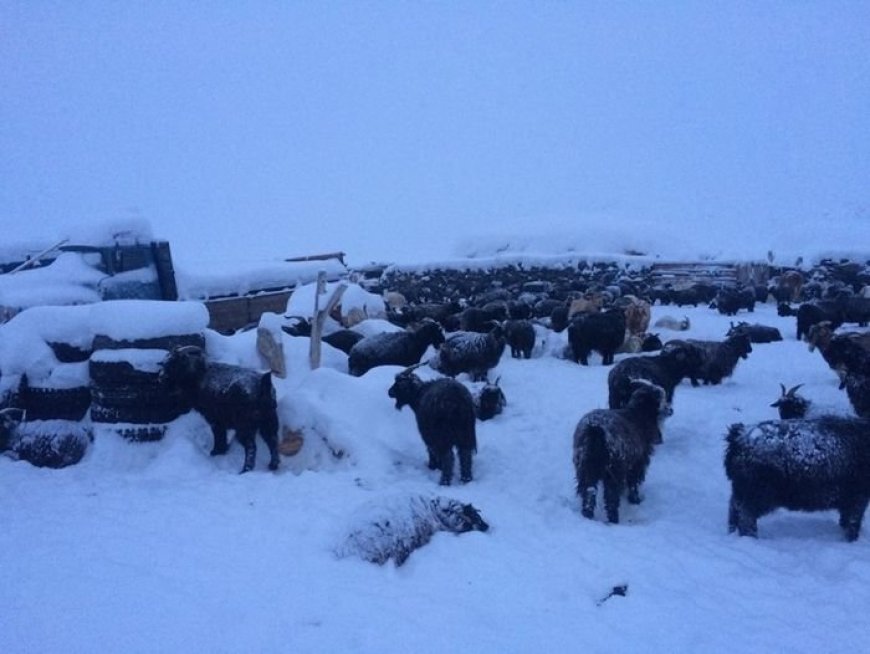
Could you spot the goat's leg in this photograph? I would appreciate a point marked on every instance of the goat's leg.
(446, 458)
(851, 517)
(588, 497)
(732, 515)
(434, 460)
(271, 438)
(247, 437)
(612, 491)
(745, 519)
(465, 465)
(220, 440)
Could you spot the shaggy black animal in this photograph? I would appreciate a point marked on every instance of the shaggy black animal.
(730, 300)
(444, 410)
(489, 401)
(471, 352)
(394, 527)
(667, 370)
(343, 339)
(801, 465)
(603, 332)
(857, 387)
(228, 397)
(520, 335)
(790, 404)
(757, 333)
(613, 447)
(651, 343)
(718, 358)
(811, 313)
(394, 348)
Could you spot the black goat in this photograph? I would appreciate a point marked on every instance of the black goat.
(603, 332)
(730, 300)
(811, 313)
(343, 339)
(613, 447)
(718, 358)
(394, 348)
(667, 370)
(395, 527)
(801, 465)
(857, 385)
(471, 352)
(228, 397)
(757, 333)
(520, 335)
(790, 404)
(444, 410)
(489, 401)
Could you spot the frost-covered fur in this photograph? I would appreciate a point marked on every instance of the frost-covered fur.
(396, 526)
(444, 410)
(613, 447)
(471, 352)
(394, 348)
(228, 397)
(801, 465)
(43, 443)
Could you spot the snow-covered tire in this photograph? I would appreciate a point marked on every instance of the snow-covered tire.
(103, 342)
(120, 375)
(54, 403)
(67, 353)
(144, 406)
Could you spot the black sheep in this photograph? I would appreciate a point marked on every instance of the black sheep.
(801, 465)
(613, 447)
(394, 348)
(228, 397)
(603, 332)
(444, 410)
(471, 352)
(520, 335)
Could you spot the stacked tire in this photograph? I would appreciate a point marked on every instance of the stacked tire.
(125, 388)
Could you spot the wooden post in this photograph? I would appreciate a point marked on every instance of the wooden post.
(319, 317)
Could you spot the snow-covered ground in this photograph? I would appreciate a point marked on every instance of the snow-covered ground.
(159, 547)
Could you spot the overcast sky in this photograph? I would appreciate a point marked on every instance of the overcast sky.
(274, 129)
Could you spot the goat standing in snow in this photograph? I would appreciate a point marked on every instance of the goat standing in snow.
(444, 410)
(613, 447)
(801, 465)
(228, 397)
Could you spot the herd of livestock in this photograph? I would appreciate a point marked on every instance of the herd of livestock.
(470, 318)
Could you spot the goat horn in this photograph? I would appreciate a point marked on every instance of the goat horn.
(792, 391)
